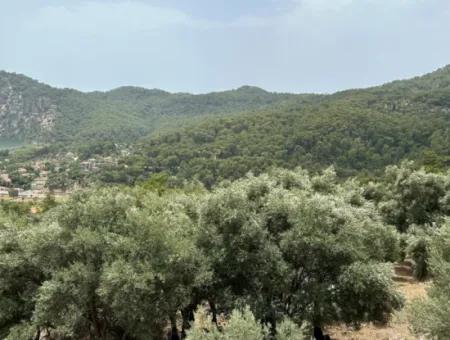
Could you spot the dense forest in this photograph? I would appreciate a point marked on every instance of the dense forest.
(36, 112)
(358, 131)
(224, 135)
(274, 256)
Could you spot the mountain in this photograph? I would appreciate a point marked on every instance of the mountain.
(33, 111)
(27, 108)
(358, 131)
(223, 135)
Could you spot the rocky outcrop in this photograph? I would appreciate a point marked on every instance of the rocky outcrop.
(24, 115)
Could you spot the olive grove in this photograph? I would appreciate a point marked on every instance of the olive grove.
(273, 255)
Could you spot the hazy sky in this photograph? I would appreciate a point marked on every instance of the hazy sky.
(207, 45)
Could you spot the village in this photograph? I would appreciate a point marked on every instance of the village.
(40, 178)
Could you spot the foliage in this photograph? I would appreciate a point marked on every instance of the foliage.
(417, 250)
(344, 130)
(414, 196)
(359, 132)
(241, 325)
(305, 239)
(289, 330)
(269, 248)
(429, 316)
(416, 201)
(90, 122)
(367, 293)
(121, 262)
(224, 135)
(115, 267)
(203, 327)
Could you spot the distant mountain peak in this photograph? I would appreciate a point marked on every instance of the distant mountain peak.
(251, 89)
(136, 90)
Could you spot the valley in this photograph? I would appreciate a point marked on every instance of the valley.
(225, 170)
(133, 133)
(141, 214)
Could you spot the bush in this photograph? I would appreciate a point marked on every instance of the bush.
(430, 317)
(241, 325)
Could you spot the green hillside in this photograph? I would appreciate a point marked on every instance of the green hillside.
(224, 135)
(357, 131)
(37, 112)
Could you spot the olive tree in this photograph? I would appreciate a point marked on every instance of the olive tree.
(414, 196)
(415, 201)
(115, 265)
(288, 244)
(430, 316)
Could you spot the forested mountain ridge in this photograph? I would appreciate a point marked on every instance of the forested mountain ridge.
(357, 131)
(224, 135)
(37, 112)
(432, 90)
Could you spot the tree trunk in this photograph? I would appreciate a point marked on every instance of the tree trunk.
(188, 317)
(173, 323)
(38, 334)
(212, 306)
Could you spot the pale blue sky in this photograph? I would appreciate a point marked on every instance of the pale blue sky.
(209, 45)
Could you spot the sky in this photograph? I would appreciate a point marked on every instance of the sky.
(200, 46)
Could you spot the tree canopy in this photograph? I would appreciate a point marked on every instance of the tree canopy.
(122, 263)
